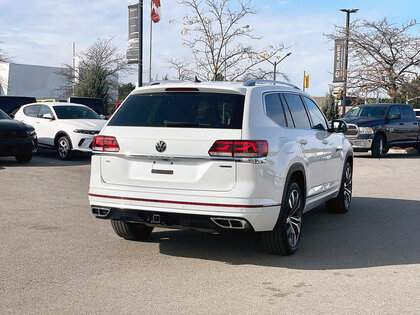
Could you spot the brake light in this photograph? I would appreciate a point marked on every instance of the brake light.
(105, 143)
(182, 90)
(239, 148)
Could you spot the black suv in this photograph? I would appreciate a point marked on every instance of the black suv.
(377, 127)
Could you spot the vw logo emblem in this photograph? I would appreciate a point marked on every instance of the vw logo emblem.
(160, 146)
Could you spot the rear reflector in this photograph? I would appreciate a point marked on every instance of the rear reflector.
(239, 148)
(105, 143)
(182, 90)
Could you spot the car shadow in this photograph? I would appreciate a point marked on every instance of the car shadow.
(376, 232)
(46, 158)
(409, 155)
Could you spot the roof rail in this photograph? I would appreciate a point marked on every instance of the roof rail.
(254, 82)
(162, 82)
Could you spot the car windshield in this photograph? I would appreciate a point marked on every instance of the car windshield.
(3, 115)
(375, 111)
(75, 112)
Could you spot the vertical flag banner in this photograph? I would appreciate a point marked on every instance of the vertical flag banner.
(156, 14)
(133, 34)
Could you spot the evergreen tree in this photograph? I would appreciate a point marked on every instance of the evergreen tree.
(93, 83)
(124, 90)
(328, 106)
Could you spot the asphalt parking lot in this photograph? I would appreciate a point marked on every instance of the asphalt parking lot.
(57, 258)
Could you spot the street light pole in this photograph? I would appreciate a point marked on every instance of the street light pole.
(346, 56)
(275, 63)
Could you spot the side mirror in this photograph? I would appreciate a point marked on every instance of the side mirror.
(102, 116)
(48, 116)
(338, 126)
(394, 117)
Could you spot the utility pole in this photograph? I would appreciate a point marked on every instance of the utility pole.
(346, 56)
(73, 65)
(140, 25)
(275, 63)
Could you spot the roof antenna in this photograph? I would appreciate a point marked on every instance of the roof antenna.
(196, 80)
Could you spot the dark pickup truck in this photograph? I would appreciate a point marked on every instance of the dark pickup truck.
(378, 127)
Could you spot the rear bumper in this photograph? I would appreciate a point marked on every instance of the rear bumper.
(173, 220)
(180, 214)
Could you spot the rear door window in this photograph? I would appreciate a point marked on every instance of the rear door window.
(298, 111)
(406, 112)
(274, 109)
(182, 110)
(45, 110)
(32, 110)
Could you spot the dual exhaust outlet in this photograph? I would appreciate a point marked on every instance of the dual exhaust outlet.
(230, 223)
(100, 211)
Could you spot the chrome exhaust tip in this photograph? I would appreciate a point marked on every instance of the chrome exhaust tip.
(230, 223)
(100, 211)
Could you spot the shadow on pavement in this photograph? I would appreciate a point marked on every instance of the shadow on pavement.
(46, 158)
(408, 155)
(376, 232)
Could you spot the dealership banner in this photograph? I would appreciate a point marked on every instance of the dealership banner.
(133, 34)
(338, 73)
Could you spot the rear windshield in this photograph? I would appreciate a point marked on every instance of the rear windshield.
(182, 110)
(3, 115)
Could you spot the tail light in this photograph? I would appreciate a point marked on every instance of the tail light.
(105, 143)
(239, 148)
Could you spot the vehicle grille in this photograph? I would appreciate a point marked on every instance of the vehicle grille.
(13, 134)
(351, 131)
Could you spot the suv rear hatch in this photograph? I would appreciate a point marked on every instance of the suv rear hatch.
(164, 138)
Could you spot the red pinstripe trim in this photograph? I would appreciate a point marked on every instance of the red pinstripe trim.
(181, 202)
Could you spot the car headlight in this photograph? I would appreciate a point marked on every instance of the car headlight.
(366, 131)
(87, 132)
(30, 132)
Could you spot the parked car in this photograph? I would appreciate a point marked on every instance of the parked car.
(16, 139)
(249, 156)
(11, 104)
(378, 127)
(417, 113)
(97, 104)
(66, 127)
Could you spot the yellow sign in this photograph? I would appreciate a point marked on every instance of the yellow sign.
(306, 80)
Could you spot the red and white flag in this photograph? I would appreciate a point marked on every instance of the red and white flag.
(156, 11)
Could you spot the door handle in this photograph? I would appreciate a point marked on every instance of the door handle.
(303, 141)
(401, 124)
(324, 141)
(339, 148)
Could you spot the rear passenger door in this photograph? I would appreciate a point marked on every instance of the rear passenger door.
(310, 142)
(410, 127)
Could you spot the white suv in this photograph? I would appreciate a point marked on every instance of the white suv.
(62, 126)
(250, 156)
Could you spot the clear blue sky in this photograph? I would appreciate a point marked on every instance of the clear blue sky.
(40, 31)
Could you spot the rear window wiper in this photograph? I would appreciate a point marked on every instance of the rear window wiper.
(183, 124)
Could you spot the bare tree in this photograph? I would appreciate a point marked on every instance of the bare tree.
(383, 57)
(220, 45)
(100, 55)
(3, 56)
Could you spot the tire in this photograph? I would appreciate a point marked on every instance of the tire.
(285, 237)
(378, 146)
(23, 158)
(342, 203)
(64, 148)
(131, 231)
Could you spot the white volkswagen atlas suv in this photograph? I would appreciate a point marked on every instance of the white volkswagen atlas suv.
(65, 127)
(213, 156)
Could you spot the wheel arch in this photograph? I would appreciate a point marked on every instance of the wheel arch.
(296, 173)
(59, 135)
